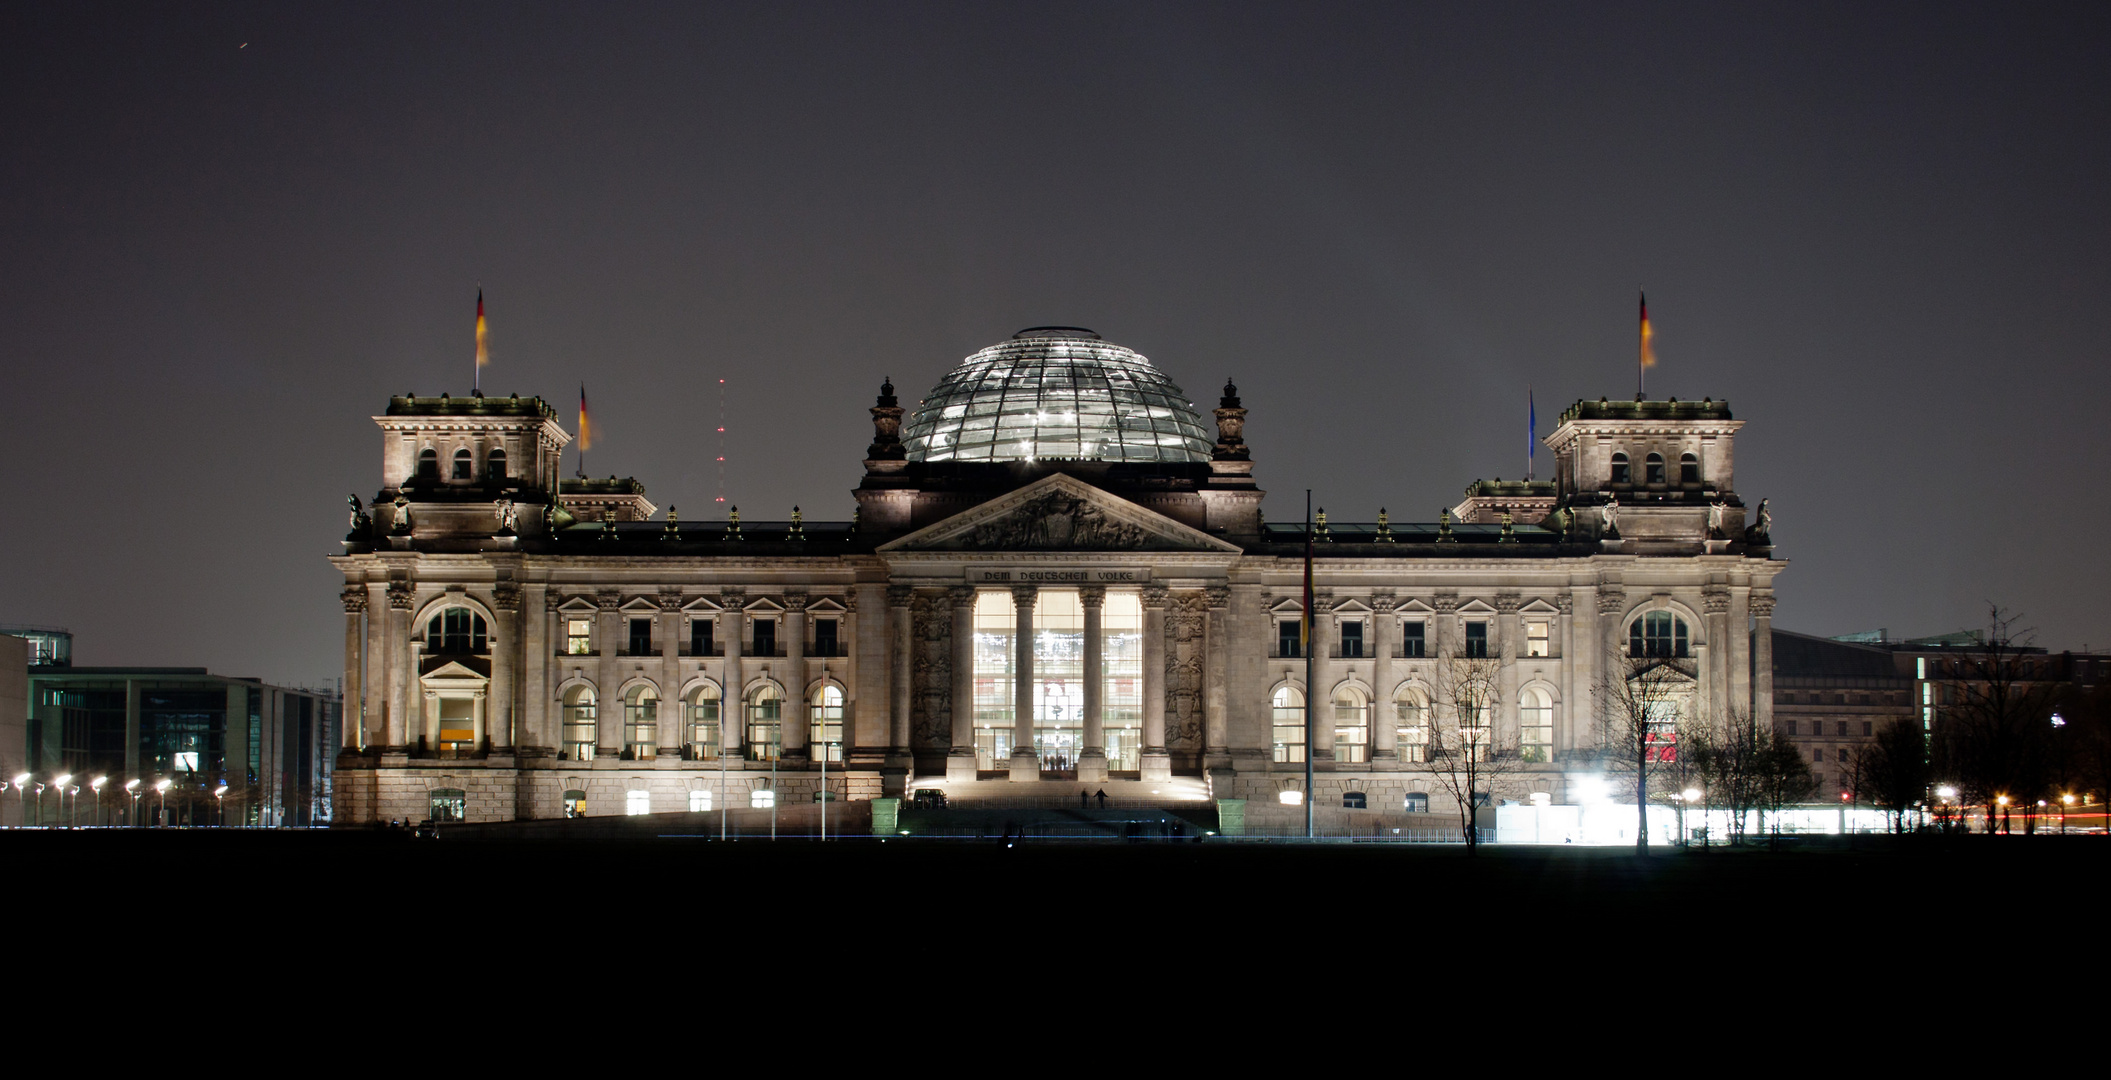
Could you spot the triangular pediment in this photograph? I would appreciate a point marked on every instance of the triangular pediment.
(1058, 513)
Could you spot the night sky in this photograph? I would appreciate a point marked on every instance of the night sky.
(1881, 232)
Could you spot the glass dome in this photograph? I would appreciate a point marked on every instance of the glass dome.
(1056, 392)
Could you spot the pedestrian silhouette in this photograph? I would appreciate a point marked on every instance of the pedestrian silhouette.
(1084, 801)
(1102, 796)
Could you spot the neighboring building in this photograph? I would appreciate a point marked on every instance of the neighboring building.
(49, 646)
(1056, 577)
(14, 723)
(272, 746)
(1832, 697)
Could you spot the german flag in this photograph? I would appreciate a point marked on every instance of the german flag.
(483, 351)
(1649, 353)
(586, 438)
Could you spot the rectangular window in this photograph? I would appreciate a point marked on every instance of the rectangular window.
(1412, 640)
(700, 643)
(825, 637)
(641, 637)
(1536, 638)
(1843, 727)
(578, 637)
(1868, 727)
(1288, 634)
(765, 638)
(1477, 640)
(699, 801)
(1352, 639)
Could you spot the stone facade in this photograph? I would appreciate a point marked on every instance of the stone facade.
(1140, 606)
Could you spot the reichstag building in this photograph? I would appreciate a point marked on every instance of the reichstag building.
(1058, 577)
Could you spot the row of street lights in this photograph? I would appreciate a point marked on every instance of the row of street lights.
(22, 783)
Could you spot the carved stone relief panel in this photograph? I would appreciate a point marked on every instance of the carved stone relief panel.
(930, 672)
(1185, 619)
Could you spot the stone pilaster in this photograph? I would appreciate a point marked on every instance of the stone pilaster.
(1156, 763)
(673, 718)
(402, 667)
(355, 602)
(608, 639)
(795, 708)
(1762, 701)
(374, 724)
(1385, 728)
(1326, 672)
(901, 636)
(960, 752)
(1025, 764)
(1509, 630)
(502, 711)
(733, 710)
(1716, 650)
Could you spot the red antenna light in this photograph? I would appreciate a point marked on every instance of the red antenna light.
(721, 441)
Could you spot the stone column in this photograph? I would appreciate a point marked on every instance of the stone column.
(374, 724)
(1092, 756)
(1714, 653)
(538, 684)
(1216, 721)
(1320, 698)
(795, 717)
(480, 717)
(901, 642)
(402, 667)
(427, 734)
(501, 713)
(673, 721)
(1385, 727)
(1156, 763)
(732, 706)
(1025, 764)
(1763, 658)
(608, 704)
(355, 666)
(1575, 687)
(960, 756)
(1509, 629)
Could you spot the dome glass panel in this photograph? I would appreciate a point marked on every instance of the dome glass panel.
(1056, 392)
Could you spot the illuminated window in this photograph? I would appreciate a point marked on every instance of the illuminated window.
(1351, 726)
(994, 628)
(448, 804)
(1413, 642)
(1477, 640)
(579, 637)
(1059, 677)
(825, 723)
(641, 720)
(1121, 679)
(637, 803)
(1620, 473)
(1288, 707)
(702, 714)
(1352, 639)
(456, 632)
(762, 799)
(575, 803)
(1537, 636)
(765, 723)
(1658, 633)
(579, 726)
(464, 464)
(1417, 802)
(1535, 725)
(1411, 715)
(699, 801)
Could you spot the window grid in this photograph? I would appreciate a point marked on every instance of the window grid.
(1056, 397)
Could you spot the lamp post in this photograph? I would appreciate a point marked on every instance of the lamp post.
(73, 820)
(220, 808)
(2003, 801)
(2065, 802)
(132, 810)
(60, 783)
(22, 787)
(162, 786)
(98, 786)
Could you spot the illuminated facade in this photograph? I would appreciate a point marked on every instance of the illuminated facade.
(1055, 579)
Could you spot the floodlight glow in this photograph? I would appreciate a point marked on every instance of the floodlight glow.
(1291, 798)
(1592, 789)
(61, 781)
(21, 779)
(162, 786)
(131, 784)
(219, 791)
(762, 799)
(1691, 794)
(98, 784)
(1946, 792)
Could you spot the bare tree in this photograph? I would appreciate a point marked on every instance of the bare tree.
(1892, 772)
(1728, 759)
(1995, 718)
(1641, 700)
(1464, 752)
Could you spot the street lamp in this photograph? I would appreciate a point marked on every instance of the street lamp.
(98, 786)
(132, 811)
(59, 783)
(73, 821)
(2065, 802)
(220, 808)
(162, 786)
(22, 786)
(2002, 801)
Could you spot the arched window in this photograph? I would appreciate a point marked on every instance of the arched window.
(1289, 709)
(1653, 469)
(457, 632)
(448, 804)
(575, 803)
(1352, 729)
(1355, 800)
(765, 722)
(1658, 633)
(495, 466)
(1411, 717)
(1535, 718)
(428, 464)
(641, 723)
(1620, 473)
(1689, 469)
(1418, 802)
(579, 734)
(464, 464)
(824, 732)
(702, 710)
